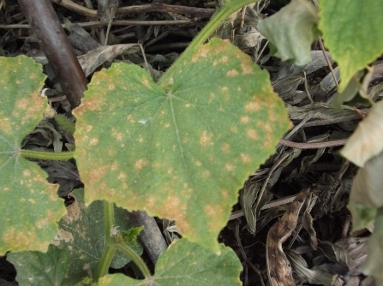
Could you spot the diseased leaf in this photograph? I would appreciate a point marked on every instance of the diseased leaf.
(82, 232)
(29, 206)
(279, 269)
(38, 268)
(181, 154)
(292, 30)
(347, 27)
(185, 263)
(366, 142)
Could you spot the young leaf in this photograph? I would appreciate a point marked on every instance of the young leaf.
(29, 206)
(292, 30)
(347, 28)
(82, 232)
(185, 263)
(184, 153)
(37, 268)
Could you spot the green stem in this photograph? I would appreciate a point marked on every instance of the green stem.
(46, 155)
(110, 243)
(233, 5)
(105, 261)
(113, 243)
(135, 258)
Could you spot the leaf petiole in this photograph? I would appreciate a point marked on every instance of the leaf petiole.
(229, 8)
(31, 154)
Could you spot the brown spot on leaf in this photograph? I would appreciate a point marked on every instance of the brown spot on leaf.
(64, 235)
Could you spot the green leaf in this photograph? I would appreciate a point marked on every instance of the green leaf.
(366, 193)
(352, 33)
(82, 232)
(186, 263)
(29, 205)
(366, 141)
(374, 261)
(292, 30)
(181, 154)
(37, 268)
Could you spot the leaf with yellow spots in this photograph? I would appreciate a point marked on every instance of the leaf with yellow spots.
(187, 264)
(29, 206)
(182, 153)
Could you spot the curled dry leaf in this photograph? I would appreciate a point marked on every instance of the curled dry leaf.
(278, 266)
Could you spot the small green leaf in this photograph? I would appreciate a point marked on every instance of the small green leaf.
(130, 236)
(82, 232)
(352, 33)
(186, 263)
(181, 154)
(29, 205)
(37, 268)
(292, 30)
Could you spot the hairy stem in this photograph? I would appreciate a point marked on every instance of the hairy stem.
(31, 154)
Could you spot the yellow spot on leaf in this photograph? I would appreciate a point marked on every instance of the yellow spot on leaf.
(229, 167)
(205, 139)
(232, 73)
(225, 148)
(141, 163)
(26, 173)
(245, 158)
(117, 135)
(247, 68)
(93, 141)
(252, 106)
(206, 174)
(122, 176)
(251, 133)
(245, 119)
(145, 82)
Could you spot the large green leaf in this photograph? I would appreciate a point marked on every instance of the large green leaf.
(29, 206)
(352, 32)
(186, 263)
(184, 153)
(82, 232)
(292, 30)
(37, 268)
